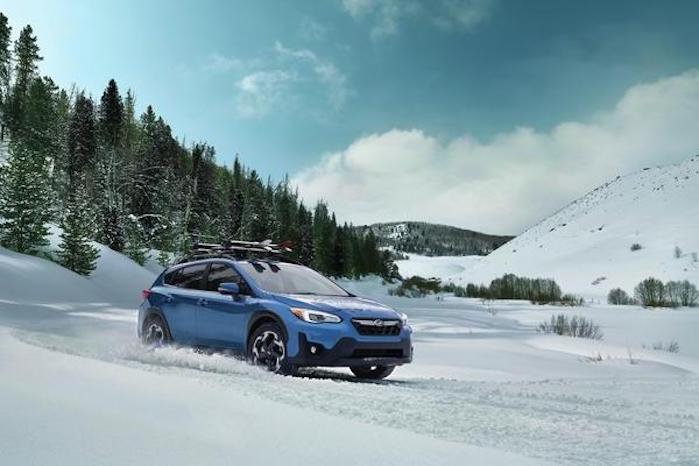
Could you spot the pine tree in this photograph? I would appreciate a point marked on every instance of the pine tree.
(323, 239)
(371, 254)
(24, 201)
(110, 169)
(255, 218)
(236, 200)
(26, 59)
(339, 252)
(40, 130)
(305, 234)
(5, 70)
(82, 142)
(75, 251)
(111, 116)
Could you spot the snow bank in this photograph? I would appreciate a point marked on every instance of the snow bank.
(117, 279)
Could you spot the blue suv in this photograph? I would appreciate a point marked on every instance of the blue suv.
(280, 314)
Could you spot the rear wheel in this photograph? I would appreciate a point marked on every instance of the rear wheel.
(267, 348)
(155, 331)
(372, 372)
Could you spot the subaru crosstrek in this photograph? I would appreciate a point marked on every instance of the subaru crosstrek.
(280, 315)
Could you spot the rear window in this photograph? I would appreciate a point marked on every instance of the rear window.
(190, 277)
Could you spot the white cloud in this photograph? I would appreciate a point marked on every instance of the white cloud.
(260, 91)
(386, 15)
(325, 71)
(219, 62)
(280, 80)
(515, 179)
(463, 14)
(311, 30)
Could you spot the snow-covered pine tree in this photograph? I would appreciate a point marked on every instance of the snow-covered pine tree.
(75, 251)
(255, 218)
(24, 201)
(110, 169)
(136, 246)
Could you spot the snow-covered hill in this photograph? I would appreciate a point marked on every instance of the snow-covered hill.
(587, 245)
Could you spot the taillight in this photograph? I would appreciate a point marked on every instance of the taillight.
(146, 294)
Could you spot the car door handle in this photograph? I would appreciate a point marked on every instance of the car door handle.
(202, 302)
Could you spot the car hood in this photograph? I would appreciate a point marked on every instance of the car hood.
(346, 306)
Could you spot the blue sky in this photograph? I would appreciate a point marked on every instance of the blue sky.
(290, 85)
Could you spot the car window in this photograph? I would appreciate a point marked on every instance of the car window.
(189, 277)
(222, 273)
(172, 278)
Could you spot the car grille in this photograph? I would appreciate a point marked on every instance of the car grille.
(377, 353)
(377, 327)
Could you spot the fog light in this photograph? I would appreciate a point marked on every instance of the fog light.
(314, 350)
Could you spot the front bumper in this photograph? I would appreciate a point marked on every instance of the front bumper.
(350, 352)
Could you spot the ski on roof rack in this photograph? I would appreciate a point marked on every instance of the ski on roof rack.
(237, 249)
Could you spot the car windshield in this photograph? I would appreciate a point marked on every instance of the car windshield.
(285, 278)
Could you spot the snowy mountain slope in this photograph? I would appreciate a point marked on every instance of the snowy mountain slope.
(586, 246)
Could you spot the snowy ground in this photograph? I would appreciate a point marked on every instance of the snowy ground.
(485, 388)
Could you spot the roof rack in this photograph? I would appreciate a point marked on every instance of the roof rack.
(237, 249)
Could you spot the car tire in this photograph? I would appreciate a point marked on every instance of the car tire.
(267, 349)
(155, 331)
(372, 372)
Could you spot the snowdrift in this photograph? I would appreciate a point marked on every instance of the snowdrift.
(117, 278)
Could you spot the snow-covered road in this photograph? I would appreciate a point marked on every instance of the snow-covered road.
(484, 389)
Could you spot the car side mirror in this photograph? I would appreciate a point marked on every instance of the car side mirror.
(229, 288)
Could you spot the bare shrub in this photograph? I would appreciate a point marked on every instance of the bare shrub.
(619, 297)
(575, 326)
(572, 300)
(671, 346)
(684, 293)
(650, 292)
(636, 247)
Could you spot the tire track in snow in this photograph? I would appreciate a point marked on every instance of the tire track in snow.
(581, 422)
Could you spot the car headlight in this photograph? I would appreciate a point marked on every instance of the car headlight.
(403, 318)
(315, 317)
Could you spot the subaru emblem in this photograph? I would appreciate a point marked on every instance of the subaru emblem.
(378, 323)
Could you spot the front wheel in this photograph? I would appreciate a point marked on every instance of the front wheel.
(372, 372)
(267, 349)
